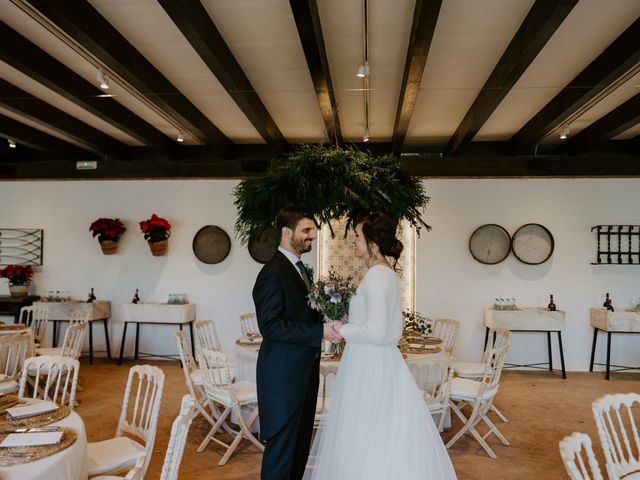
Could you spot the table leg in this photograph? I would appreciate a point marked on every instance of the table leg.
(606, 376)
(486, 338)
(593, 348)
(137, 336)
(564, 372)
(55, 334)
(90, 343)
(124, 336)
(106, 337)
(193, 346)
(549, 350)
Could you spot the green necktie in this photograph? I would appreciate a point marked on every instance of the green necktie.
(303, 271)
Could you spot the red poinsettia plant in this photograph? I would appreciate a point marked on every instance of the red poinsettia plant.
(107, 229)
(17, 274)
(155, 229)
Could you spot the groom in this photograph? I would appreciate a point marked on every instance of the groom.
(289, 358)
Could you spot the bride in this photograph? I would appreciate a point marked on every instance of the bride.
(378, 425)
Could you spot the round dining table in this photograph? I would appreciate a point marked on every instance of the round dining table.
(68, 464)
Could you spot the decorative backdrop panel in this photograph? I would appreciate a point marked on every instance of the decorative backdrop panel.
(22, 246)
(337, 254)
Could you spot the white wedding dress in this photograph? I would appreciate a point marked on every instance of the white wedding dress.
(378, 425)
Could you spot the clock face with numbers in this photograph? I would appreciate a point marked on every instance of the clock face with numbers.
(490, 244)
(532, 244)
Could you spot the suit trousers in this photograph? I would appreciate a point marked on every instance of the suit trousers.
(286, 453)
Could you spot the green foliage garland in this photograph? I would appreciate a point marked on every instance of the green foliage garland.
(331, 183)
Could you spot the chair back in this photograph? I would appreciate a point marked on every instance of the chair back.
(25, 315)
(179, 431)
(39, 322)
(249, 324)
(215, 373)
(433, 376)
(206, 335)
(572, 450)
(618, 432)
(13, 351)
(493, 368)
(447, 330)
(495, 339)
(79, 316)
(54, 378)
(74, 340)
(139, 415)
(188, 363)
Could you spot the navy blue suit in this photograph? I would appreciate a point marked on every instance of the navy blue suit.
(288, 368)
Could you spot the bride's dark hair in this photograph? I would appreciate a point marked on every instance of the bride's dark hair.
(380, 229)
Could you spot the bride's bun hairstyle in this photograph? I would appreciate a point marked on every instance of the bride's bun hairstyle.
(380, 229)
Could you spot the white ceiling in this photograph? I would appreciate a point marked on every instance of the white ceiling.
(469, 39)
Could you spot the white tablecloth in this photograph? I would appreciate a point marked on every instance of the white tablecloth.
(69, 464)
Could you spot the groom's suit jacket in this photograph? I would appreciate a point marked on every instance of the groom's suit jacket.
(292, 334)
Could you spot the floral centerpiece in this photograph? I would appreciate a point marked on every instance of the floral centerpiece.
(19, 276)
(330, 296)
(108, 231)
(416, 324)
(156, 231)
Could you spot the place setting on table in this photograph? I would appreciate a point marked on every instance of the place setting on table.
(26, 430)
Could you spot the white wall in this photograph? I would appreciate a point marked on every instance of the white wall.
(448, 281)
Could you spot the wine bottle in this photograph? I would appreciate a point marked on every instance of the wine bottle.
(92, 296)
(607, 303)
(136, 297)
(551, 306)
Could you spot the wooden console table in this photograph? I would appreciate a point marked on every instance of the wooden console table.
(529, 320)
(61, 312)
(11, 305)
(612, 322)
(157, 314)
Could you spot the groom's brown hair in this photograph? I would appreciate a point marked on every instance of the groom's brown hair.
(290, 217)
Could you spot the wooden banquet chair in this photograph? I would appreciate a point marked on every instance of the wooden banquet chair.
(13, 352)
(479, 394)
(618, 432)
(572, 449)
(249, 325)
(138, 418)
(234, 397)
(53, 378)
(37, 319)
(206, 335)
(495, 339)
(447, 330)
(434, 380)
(71, 344)
(175, 449)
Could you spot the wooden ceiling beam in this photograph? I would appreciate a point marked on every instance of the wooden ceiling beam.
(542, 21)
(613, 123)
(307, 18)
(21, 54)
(25, 135)
(82, 22)
(196, 25)
(425, 17)
(26, 105)
(616, 60)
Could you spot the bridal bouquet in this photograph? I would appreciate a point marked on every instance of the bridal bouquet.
(330, 296)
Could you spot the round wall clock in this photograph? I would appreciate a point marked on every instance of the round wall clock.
(490, 244)
(532, 244)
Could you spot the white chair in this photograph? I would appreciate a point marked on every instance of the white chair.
(54, 378)
(434, 380)
(234, 397)
(79, 316)
(447, 330)
(136, 473)
(249, 325)
(572, 449)
(138, 418)
(206, 335)
(37, 319)
(495, 338)
(479, 394)
(13, 351)
(618, 432)
(71, 344)
(175, 449)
